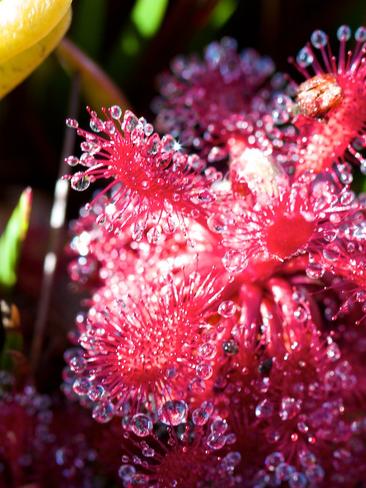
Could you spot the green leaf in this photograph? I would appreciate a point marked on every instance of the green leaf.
(89, 16)
(222, 13)
(148, 15)
(12, 238)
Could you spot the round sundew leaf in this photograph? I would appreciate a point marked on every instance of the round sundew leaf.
(23, 23)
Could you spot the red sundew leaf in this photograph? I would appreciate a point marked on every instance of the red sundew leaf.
(154, 329)
(98, 89)
(332, 100)
(300, 210)
(159, 186)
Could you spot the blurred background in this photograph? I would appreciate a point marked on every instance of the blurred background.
(132, 42)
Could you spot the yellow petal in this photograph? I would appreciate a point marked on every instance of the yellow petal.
(23, 23)
(16, 69)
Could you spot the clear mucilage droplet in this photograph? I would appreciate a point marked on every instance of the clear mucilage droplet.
(344, 33)
(304, 57)
(141, 425)
(319, 39)
(216, 441)
(204, 371)
(201, 415)
(116, 112)
(227, 309)
(173, 412)
(234, 261)
(130, 121)
(96, 124)
(264, 409)
(273, 460)
(360, 34)
(72, 123)
(103, 412)
(290, 407)
(77, 363)
(126, 471)
(80, 181)
(95, 393)
(72, 160)
(315, 270)
(81, 386)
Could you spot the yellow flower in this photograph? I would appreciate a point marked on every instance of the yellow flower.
(29, 31)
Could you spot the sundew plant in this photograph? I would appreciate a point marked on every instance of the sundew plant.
(216, 270)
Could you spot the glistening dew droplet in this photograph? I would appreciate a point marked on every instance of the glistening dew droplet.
(264, 409)
(304, 57)
(227, 308)
(116, 112)
(173, 412)
(80, 181)
(216, 441)
(344, 33)
(141, 425)
(96, 392)
(319, 39)
(72, 160)
(81, 386)
(234, 261)
(201, 415)
(103, 412)
(360, 34)
(273, 460)
(125, 472)
(72, 123)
